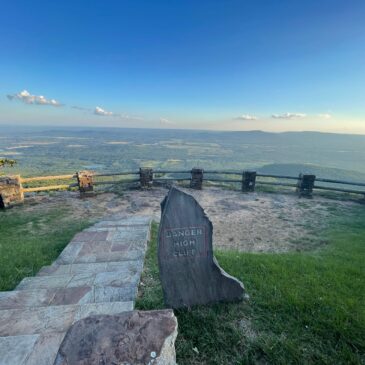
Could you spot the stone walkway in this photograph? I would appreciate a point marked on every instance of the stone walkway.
(97, 273)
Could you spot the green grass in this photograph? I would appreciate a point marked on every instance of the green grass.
(30, 239)
(305, 308)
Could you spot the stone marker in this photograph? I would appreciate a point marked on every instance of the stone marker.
(133, 338)
(189, 272)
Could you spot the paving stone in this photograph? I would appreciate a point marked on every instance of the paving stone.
(108, 288)
(116, 278)
(134, 266)
(14, 322)
(116, 246)
(87, 310)
(45, 349)
(81, 280)
(44, 282)
(77, 268)
(127, 236)
(105, 294)
(85, 236)
(70, 252)
(44, 297)
(125, 221)
(73, 295)
(94, 247)
(26, 298)
(103, 256)
(14, 350)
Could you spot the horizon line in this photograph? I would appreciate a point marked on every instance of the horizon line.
(175, 129)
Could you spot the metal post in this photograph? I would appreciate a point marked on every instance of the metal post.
(197, 175)
(146, 177)
(248, 181)
(305, 185)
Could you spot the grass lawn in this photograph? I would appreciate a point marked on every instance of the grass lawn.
(305, 308)
(32, 239)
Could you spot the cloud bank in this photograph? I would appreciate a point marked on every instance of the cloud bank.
(102, 112)
(166, 121)
(246, 117)
(289, 116)
(28, 98)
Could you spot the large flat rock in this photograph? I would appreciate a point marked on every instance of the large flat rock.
(135, 338)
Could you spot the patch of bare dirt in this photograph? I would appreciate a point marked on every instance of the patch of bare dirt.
(254, 222)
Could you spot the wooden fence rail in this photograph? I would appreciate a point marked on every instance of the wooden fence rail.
(12, 189)
(42, 178)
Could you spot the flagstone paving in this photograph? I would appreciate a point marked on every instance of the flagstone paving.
(97, 273)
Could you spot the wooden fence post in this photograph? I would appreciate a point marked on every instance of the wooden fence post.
(305, 184)
(197, 175)
(85, 181)
(248, 181)
(146, 177)
(11, 191)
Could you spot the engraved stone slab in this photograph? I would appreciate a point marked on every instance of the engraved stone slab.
(137, 338)
(189, 272)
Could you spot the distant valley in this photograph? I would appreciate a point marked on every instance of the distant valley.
(48, 150)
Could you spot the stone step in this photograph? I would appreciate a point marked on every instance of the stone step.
(18, 299)
(104, 254)
(97, 273)
(114, 278)
(58, 318)
(128, 266)
(30, 349)
(125, 221)
(116, 246)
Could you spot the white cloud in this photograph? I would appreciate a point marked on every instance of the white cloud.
(289, 116)
(28, 98)
(166, 121)
(325, 116)
(246, 117)
(102, 112)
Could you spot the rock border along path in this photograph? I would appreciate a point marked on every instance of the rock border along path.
(97, 273)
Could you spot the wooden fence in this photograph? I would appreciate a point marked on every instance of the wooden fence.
(27, 180)
(12, 189)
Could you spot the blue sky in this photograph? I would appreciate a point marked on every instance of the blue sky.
(241, 65)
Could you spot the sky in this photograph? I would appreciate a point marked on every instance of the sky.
(285, 65)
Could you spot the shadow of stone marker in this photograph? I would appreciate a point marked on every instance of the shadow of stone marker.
(189, 273)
